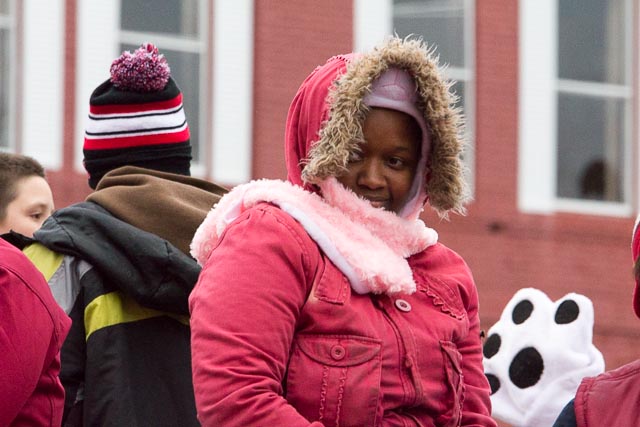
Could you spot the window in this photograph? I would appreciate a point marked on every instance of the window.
(575, 106)
(447, 25)
(7, 34)
(179, 29)
(594, 99)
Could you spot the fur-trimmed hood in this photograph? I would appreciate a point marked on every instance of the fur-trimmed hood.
(324, 125)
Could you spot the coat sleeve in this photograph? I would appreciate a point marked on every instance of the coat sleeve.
(32, 329)
(476, 408)
(243, 315)
(64, 274)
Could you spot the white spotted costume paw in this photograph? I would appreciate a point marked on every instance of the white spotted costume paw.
(536, 355)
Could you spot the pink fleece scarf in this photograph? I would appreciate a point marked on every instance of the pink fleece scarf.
(368, 245)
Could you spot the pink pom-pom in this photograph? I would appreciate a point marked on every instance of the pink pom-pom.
(144, 70)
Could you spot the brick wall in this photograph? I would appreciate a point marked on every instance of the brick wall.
(291, 39)
(505, 249)
(508, 250)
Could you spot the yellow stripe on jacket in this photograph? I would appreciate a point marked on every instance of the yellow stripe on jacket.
(114, 307)
(45, 260)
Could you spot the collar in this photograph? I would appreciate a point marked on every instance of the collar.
(370, 246)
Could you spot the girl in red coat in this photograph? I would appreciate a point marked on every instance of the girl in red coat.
(325, 300)
(32, 329)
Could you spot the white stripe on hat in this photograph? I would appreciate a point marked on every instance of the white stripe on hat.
(141, 132)
(104, 126)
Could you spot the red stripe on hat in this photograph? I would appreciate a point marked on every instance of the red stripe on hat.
(136, 108)
(137, 141)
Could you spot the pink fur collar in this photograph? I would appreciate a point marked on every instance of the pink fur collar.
(368, 245)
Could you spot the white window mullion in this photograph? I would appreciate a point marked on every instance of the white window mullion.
(166, 41)
(43, 81)
(97, 41)
(199, 168)
(8, 23)
(633, 165)
(537, 105)
(232, 122)
(372, 21)
(601, 90)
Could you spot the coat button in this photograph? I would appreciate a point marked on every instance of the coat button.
(402, 305)
(338, 352)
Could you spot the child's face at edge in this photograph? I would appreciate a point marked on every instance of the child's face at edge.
(32, 205)
(385, 169)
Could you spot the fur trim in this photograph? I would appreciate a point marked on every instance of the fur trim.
(342, 132)
(368, 245)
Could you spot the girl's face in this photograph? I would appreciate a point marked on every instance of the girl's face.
(384, 170)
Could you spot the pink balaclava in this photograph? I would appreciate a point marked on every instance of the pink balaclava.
(396, 90)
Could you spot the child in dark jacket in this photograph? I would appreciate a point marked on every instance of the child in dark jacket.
(119, 262)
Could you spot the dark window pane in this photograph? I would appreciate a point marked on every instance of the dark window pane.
(591, 141)
(440, 23)
(591, 40)
(5, 7)
(185, 70)
(458, 90)
(179, 17)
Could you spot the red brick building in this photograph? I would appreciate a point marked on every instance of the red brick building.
(240, 63)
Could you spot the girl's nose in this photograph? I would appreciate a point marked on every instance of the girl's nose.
(371, 175)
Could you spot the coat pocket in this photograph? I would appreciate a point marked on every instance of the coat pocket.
(445, 296)
(335, 379)
(452, 360)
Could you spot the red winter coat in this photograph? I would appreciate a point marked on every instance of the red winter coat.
(32, 329)
(279, 338)
(610, 398)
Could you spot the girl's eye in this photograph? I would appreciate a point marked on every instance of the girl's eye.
(36, 216)
(396, 162)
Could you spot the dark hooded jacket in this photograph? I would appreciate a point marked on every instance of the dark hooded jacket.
(127, 358)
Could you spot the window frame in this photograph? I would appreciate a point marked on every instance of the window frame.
(373, 20)
(540, 87)
(227, 135)
(183, 44)
(9, 23)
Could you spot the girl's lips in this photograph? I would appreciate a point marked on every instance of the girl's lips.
(378, 203)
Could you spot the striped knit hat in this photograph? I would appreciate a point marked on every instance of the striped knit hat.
(136, 118)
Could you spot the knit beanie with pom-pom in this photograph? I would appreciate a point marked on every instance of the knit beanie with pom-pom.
(136, 118)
